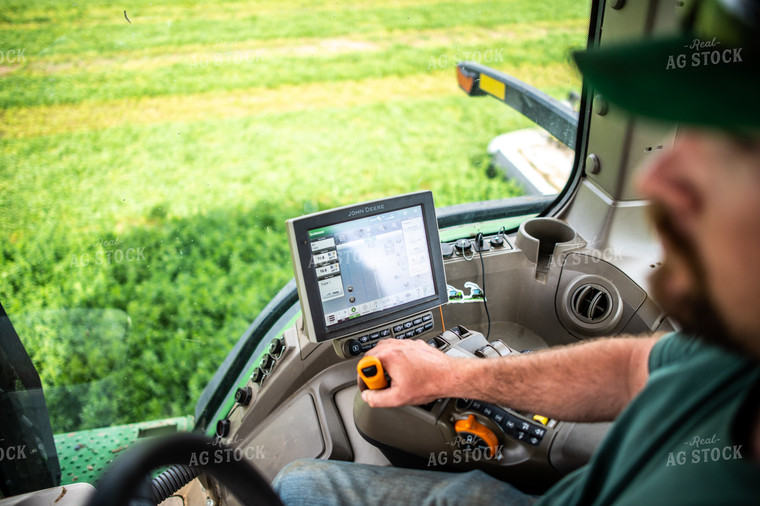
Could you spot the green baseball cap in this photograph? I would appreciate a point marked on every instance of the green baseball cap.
(708, 74)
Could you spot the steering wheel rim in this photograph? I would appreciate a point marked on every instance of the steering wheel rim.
(124, 476)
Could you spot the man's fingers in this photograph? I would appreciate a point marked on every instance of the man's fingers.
(379, 398)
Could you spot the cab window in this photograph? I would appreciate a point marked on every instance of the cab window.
(150, 157)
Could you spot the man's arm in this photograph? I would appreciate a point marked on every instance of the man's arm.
(585, 382)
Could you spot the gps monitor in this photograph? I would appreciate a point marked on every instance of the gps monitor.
(367, 265)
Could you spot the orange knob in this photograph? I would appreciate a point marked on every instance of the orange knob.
(470, 430)
(371, 372)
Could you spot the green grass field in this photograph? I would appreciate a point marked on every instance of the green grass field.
(147, 166)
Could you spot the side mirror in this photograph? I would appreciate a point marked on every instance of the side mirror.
(545, 111)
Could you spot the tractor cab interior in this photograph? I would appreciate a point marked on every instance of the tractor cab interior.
(476, 280)
(576, 270)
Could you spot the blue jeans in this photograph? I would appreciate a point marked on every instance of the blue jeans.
(326, 482)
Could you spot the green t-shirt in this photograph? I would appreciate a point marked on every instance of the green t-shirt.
(674, 444)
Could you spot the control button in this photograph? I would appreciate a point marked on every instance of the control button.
(428, 326)
(477, 405)
(408, 325)
(463, 245)
(385, 333)
(487, 411)
(267, 362)
(257, 376)
(463, 404)
(371, 372)
(509, 426)
(417, 321)
(521, 435)
(534, 441)
(276, 347)
(223, 428)
(538, 431)
(498, 417)
(419, 330)
(353, 347)
(367, 347)
(497, 241)
(525, 426)
(243, 395)
(476, 435)
(541, 419)
(427, 317)
(410, 333)
(398, 328)
(400, 335)
(374, 335)
(364, 339)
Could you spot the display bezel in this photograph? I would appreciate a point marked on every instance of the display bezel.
(306, 276)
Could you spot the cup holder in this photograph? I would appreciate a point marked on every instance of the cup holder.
(541, 239)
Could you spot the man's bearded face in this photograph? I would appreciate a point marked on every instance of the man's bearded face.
(679, 284)
(706, 207)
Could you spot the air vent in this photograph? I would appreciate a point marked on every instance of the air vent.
(591, 303)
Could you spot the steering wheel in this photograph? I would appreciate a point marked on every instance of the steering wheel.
(128, 472)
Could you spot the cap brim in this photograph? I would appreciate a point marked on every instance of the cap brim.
(676, 80)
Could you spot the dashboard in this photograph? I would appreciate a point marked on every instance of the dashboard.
(302, 401)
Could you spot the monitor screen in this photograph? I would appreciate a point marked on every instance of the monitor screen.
(366, 265)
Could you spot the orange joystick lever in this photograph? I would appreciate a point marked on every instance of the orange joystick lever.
(371, 372)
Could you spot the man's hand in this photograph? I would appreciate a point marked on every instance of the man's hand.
(585, 382)
(419, 373)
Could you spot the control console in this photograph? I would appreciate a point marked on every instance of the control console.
(511, 424)
(463, 433)
(414, 326)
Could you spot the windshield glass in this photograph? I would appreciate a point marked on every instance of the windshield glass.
(150, 156)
